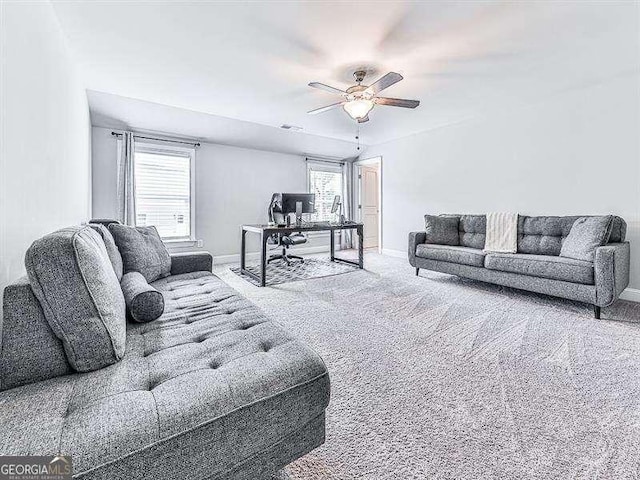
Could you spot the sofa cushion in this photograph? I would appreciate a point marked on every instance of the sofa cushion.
(472, 231)
(72, 277)
(441, 230)
(453, 254)
(142, 251)
(144, 303)
(210, 384)
(587, 234)
(545, 266)
(544, 235)
(112, 248)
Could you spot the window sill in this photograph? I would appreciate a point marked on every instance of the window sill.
(180, 243)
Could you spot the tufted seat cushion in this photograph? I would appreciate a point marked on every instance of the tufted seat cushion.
(205, 387)
(544, 266)
(449, 253)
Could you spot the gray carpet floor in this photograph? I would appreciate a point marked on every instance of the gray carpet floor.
(443, 378)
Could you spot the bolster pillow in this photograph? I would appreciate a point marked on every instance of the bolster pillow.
(144, 303)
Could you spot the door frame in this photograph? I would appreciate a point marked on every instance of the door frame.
(373, 161)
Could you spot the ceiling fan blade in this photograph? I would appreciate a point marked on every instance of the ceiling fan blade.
(327, 88)
(384, 82)
(364, 119)
(324, 109)
(397, 102)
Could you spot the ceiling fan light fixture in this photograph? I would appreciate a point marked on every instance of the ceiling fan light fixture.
(358, 108)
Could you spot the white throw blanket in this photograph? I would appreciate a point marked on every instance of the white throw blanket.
(502, 233)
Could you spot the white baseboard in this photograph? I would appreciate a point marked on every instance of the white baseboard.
(255, 256)
(631, 294)
(394, 253)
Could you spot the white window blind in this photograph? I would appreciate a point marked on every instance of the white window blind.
(325, 183)
(163, 192)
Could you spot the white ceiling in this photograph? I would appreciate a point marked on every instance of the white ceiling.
(252, 61)
(121, 113)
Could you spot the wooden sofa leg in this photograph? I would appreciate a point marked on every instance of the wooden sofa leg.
(596, 311)
(417, 271)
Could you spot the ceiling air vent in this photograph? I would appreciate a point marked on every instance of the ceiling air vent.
(291, 127)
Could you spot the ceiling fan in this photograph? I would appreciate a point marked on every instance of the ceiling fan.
(360, 99)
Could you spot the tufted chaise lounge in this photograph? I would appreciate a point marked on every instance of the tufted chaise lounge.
(211, 389)
(537, 266)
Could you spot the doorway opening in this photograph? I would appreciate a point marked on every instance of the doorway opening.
(368, 200)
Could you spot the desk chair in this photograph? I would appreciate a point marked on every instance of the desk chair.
(282, 240)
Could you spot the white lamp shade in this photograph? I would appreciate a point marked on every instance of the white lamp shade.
(359, 108)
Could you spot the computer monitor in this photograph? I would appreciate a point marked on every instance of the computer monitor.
(289, 201)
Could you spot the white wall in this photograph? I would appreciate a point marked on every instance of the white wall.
(575, 153)
(45, 157)
(233, 187)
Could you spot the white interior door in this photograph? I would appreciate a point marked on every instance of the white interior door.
(369, 204)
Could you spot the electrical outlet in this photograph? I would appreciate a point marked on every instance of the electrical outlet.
(200, 243)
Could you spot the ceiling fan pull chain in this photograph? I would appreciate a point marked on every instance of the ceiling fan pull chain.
(358, 134)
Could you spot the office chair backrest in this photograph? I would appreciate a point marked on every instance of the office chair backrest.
(275, 209)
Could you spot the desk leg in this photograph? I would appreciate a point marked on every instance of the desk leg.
(332, 242)
(360, 247)
(243, 249)
(263, 260)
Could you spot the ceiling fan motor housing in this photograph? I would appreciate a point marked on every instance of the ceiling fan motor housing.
(359, 75)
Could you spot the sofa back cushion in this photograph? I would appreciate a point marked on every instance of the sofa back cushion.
(473, 229)
(72, 277)
(142, 251)
(112, 249)
(30, 351)
(542, 235)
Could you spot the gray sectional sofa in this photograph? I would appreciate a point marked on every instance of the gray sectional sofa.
(537, 266)
(210, 389)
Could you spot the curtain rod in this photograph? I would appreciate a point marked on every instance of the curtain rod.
(335, 162)
(195, 144)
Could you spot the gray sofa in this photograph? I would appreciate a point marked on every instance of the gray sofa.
(536, 266)
(211, 389)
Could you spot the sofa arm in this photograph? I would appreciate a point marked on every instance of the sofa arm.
(415, 239)
(191, 262)
(611, 269)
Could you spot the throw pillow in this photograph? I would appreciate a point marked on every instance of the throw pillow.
(144, 303)
(112, 249)
(442, 230)
(586, 234)
(72, 277)
(142, 251)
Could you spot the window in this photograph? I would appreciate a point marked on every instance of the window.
(164, 186)
(325, 181)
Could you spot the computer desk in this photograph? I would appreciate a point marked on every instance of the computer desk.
(265, 231)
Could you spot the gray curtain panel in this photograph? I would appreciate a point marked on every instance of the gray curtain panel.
(346, 239)
(126, 181)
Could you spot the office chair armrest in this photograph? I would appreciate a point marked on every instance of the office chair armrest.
(191, 262)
